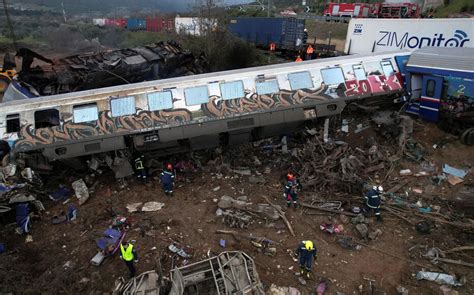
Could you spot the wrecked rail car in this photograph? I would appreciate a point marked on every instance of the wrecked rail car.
(196, 112)
(108, 68)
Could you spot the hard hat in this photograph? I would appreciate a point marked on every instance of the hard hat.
(308, 245)
(305, 30)
(380, 188)
(290, 176)
(169, 166)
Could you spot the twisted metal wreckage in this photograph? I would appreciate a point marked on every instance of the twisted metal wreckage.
(108, 68)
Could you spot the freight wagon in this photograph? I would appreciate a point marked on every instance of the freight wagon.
(158, 24)
(346, 11)
(196, 112)
(116, 22)
(286, 33)
(136, 24)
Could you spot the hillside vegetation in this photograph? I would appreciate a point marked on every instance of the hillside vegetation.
(453, 7)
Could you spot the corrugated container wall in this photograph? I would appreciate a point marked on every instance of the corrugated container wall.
(262, 31)
(116, 22)
(136, 24)
(157, 24)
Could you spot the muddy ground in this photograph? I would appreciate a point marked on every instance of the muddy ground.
(58, 259)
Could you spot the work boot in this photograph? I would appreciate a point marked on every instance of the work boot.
(289, 204)
(295, 205)
(302, 271)
(379, 218)
(308, 276)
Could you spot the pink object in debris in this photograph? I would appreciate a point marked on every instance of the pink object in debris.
(321, 288)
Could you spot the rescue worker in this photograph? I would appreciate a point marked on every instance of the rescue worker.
(291, 190)
(298, 59)
(305, 36)
(129, 255)
(372, 201)
(140, 168)
(306, 252)
(309, 52)
(272, 46)
(167, 179)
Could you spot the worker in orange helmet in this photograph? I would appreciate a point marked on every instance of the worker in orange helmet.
(299, 59)
(291, 190)
(167, 179)
(309, 52)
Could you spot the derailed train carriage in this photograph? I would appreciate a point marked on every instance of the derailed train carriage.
(196, 112)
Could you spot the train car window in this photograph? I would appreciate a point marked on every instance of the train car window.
(300, 80)
(267, 87)
(332, 76)
(160, 101)
(196, 95)
(387, 68)
(85, 113)
(430, 88)
(46, 118)
(122, 106)
(232, 90)
(359, 72)
(13, 123)
(373, 68)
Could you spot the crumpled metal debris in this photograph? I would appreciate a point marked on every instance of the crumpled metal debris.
(440, 278)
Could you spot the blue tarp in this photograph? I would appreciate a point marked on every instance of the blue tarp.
(454, 171)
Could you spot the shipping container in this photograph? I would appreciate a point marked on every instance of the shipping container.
(286, 33)
(100, 22)
(136, 24)
(377, 35)
(158, 24)
(187, 25)
(116, 22)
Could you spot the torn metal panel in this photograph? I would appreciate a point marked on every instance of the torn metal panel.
(227, 273)
(96, 70)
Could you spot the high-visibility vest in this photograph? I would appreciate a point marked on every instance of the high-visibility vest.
(139, 164)
(272, 46)
(127, 254)
(298, 59)
(310, 50)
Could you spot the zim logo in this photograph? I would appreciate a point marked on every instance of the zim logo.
(358, 29)
(392, 39)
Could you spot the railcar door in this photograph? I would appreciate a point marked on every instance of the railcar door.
(430, 101)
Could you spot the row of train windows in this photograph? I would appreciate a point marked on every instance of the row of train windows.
(124, 106)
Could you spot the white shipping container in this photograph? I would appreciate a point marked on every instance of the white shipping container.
(378, 35)
(187, 25)
(99, 22)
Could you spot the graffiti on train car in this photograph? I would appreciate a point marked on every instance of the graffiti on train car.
(105, 125)
(217, 107)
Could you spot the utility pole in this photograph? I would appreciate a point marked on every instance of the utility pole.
(268, 7)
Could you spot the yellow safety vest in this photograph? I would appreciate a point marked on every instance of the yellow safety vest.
(127, 254)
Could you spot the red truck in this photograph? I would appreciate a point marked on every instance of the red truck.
(346, 11)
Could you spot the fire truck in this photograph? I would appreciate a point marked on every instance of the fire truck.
(346, 11)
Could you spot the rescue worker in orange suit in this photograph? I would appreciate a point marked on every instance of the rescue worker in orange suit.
(298, 59)
(129, 255)
(167, 179)
(309, 52)
(291, 190)
(272, 46)
(306, 252)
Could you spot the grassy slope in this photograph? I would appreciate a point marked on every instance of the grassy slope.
(456, 6)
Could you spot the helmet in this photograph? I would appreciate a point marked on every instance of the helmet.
(378, 188)
(308, 245)
(305, 30)
(290, 176)
(169, 166)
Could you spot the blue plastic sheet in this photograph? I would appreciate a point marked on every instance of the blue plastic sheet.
(454, 171)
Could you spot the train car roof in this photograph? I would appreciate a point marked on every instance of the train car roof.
(450, 61)
(200, 78)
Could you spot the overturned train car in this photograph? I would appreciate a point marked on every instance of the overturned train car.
(196, 112)
(109, 68)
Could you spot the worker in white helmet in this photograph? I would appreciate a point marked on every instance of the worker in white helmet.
(372, 201)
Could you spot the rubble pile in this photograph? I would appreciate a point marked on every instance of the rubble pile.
(333, 167)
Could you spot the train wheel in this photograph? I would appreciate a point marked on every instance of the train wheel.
(467, 137)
